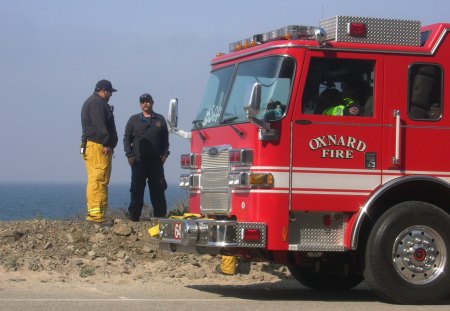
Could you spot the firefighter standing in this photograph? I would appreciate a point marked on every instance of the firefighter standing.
(99, 139)
(146, 143)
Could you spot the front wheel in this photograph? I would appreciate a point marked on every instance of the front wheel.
(338, 272)
(407, 252)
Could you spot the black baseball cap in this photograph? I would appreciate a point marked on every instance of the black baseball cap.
(145, 98)
(105, 85)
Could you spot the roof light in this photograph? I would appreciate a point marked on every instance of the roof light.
(244, 44)
(292, 32)
(356, 29)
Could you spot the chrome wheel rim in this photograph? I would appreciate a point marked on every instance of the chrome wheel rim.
(419, 254)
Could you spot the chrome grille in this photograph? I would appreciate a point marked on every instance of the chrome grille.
(214, 180)
(215, 193)
(214, 161)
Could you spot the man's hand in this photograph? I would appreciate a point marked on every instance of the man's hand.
(354, 111)
(107, 150)
(131, 160)
(163, 159)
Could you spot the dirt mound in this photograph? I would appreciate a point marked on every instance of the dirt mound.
(62, 251)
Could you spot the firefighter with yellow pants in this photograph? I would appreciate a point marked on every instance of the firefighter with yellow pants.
(228, 264)
(99, 139)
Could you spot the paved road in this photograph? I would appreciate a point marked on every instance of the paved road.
(135, 296)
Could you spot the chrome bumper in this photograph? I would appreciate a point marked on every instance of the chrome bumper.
(207, 235)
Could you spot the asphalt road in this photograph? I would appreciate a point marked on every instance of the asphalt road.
(135, 296)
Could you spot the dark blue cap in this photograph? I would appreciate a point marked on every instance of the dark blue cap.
(105, 85)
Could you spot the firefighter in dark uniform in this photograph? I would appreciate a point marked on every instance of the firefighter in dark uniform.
(146, 143)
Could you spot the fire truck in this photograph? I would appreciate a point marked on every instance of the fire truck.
(360, 194)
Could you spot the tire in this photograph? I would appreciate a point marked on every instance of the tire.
(330, 277)
(406, 258)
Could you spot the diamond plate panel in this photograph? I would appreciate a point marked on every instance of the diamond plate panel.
(250, 225)
(310, 231)
(379, 30)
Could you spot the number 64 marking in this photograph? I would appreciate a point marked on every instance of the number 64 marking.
(177, 231)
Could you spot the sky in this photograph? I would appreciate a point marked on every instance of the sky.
(53, 52)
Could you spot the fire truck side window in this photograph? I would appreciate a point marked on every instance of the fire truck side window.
(339, 87)
(425, 92)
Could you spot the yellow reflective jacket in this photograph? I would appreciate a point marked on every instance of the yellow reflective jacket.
(339, 109)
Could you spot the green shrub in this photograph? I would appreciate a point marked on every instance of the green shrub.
(86, 271)
(179, 208)
(10, 263)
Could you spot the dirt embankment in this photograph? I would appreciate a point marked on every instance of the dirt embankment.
(64, 251)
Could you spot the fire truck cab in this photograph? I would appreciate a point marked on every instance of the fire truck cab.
(326, 149)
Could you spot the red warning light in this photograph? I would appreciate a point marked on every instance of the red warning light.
(356, 29)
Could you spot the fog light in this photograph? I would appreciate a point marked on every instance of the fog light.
(261, 179)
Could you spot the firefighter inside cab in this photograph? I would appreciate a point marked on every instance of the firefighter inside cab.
(345, 103)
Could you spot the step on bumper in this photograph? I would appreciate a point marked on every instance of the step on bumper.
(203, 235)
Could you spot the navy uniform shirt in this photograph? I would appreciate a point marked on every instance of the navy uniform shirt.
(146, 138)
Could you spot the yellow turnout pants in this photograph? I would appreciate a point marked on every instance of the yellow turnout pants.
(98, 168)
(228, 264)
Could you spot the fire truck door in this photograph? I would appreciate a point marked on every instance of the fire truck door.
(414, 117)
(336, 133)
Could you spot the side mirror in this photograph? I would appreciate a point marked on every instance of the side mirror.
(172, 116)
(254, 103)
(253, 107)
(172, 120)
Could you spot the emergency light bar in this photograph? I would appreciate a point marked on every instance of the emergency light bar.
(292, 32)
(342, 29)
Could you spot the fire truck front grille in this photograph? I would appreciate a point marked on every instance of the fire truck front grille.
(215, 157)
(214, 190)
(213, 180)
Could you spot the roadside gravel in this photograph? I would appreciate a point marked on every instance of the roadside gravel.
(78, 251)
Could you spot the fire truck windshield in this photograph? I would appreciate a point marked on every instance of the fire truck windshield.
(229, 89)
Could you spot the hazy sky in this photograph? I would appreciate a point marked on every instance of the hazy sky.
(53, 52)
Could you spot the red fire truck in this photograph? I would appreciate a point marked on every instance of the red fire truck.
(326, 149)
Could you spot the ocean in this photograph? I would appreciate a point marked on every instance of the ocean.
(27, 201)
